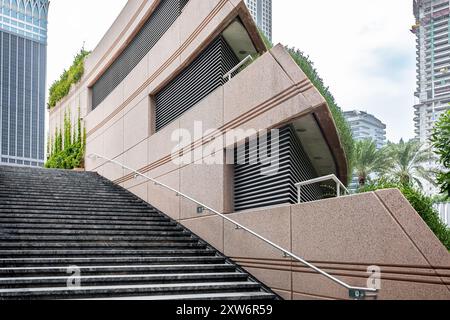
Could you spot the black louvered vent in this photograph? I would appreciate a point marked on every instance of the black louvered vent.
(199, 79)
(255, 190)
(159, 22)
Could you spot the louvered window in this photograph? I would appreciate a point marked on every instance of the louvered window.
(253, 189)
(156, 26)
(199, 79)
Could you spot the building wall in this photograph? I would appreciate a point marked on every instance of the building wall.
(122, 128)
(240, 103)
(432, 30)
(366, 126)
(344, 237)
(261, 11)
(23, 59)
(444, 212)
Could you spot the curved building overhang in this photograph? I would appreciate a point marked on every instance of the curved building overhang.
(330, 133)
(330, 156)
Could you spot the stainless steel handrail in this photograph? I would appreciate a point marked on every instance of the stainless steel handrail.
(356, 292)
(339, 185)
(229, 74)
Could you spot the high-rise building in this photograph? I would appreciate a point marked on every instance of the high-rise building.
(432, 29)
(366, 126)
(23, 59)
(261, 11)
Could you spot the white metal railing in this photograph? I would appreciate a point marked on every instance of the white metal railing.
(354, 292)
(340, 187)
(229, 74)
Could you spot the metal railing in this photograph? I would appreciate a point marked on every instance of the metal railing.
(229, 74)
(339, 185)
(354, 292)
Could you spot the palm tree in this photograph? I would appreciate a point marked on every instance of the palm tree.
(408, 162)
(368, 160)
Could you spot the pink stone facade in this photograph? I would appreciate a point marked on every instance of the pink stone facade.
(344, 235)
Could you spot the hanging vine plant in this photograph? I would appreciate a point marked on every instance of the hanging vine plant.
(67, 148)
(61, 87)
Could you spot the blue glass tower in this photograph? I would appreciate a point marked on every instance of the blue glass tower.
(23, 59)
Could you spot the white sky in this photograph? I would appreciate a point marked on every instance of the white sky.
(362, 48)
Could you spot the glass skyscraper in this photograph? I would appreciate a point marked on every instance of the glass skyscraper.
(261, 11)
(23, 59)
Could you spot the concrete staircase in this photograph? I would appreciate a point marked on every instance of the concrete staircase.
(56, 225)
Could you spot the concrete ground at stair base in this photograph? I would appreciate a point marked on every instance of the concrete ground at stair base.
(343, 236)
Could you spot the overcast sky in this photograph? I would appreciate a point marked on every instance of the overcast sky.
(362, 48)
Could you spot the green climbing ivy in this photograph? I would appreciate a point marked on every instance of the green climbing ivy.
(66, 149)
(61, 87)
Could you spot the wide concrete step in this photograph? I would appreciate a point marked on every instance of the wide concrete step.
(128, 290)
(72, 204)
(94, 208)
(60, 192)
(140, 223)
(84, 217)
(59, 182)
(80, 215)
(75, 202)
(55, 189)
(108, 280)
(18, 177)
(57, 226)
(118, 198)
(223, 296)
(115, 269)
(93, 261)
(85, 238)
(42, 253)
(99, 244)
(44, 180)
(174, 233)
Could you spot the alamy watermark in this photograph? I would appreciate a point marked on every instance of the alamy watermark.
(374, 281)
(236, 146)
(74, 280)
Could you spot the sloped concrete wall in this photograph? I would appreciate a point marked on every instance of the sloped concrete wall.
(344, 237)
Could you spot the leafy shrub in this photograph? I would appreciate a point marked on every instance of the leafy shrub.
(61, 87)
(441, 144)
(343, 128)
(67, 149)
(421, 203)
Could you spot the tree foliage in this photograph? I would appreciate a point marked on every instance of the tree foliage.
(420, 202)
(61, 87)
(441, 143)
(408, 163)
(368, 160)
(67, 148)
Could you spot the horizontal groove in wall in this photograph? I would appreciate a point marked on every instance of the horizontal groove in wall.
(273, 102)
